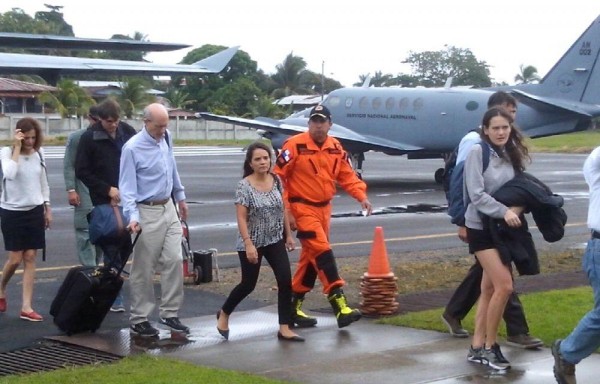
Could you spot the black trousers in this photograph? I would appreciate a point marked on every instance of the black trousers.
(279, 261)
(467, 293)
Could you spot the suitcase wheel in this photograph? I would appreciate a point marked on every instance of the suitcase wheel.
(197, 275)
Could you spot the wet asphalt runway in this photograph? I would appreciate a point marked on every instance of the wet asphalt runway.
(408, 204)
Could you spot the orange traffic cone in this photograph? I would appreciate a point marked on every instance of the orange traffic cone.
(379, 265)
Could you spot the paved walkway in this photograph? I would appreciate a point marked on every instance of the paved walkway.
(364, 352)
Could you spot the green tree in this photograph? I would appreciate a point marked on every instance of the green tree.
(203, 88)
(134, 96)
(527, 75)
(70, 100)
(313, 82)
(289, 77)
(16, 20)
(378, 80)
(45, 22)
(126, 55)
(178, 98)
(264, 106)
(433, 68)
(54, 21)
(237, 98)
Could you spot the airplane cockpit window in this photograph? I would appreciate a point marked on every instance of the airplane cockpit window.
(389, 103)
(403, 103)
(332, 101)
(363, 103)
(472, 106)
(418, 103)
(349, 102)
(377, 103)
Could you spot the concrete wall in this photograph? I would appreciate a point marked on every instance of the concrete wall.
(192, 129)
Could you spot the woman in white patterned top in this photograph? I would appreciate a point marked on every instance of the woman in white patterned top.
(263, 231)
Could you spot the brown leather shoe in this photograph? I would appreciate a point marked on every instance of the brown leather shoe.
(524, 341)
(454, 326)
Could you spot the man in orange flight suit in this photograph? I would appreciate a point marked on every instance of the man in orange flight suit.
(310, 164)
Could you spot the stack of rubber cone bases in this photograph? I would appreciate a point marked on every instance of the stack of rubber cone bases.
(378, 287)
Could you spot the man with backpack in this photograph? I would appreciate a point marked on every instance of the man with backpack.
(468, 291)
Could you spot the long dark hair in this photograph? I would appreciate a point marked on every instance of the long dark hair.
(515, 148)
(250, 152)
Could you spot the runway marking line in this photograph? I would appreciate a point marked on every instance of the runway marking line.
(392, 240)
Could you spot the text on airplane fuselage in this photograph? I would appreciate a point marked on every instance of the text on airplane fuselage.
(380, 116)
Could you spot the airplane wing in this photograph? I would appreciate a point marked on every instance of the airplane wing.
(35, 41)
(292, 126)
(14, 63)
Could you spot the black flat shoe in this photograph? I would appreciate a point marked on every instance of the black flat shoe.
(295, 338)
(222, 332)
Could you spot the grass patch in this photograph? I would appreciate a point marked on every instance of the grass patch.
(140, 369)
(551, 315)
(578, 142)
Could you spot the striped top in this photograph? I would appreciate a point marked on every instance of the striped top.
(265, 213)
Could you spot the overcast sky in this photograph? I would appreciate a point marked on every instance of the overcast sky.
(350, 37)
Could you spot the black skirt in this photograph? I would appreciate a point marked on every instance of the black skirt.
(23, 230)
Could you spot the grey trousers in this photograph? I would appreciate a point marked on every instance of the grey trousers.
(89, 254)
(158, 250)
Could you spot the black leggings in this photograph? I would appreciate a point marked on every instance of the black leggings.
(279, 261)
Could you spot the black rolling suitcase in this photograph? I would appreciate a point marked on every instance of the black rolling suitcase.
(85, 297)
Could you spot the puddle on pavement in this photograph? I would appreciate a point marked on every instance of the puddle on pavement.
(417, 208)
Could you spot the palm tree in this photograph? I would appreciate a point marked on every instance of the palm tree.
(289, 77)
(177, 98)
(133, 96)
(527, 75)
(70, 100)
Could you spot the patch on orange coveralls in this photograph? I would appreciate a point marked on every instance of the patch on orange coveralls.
(284, 158)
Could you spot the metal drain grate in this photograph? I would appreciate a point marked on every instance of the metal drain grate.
(48, 357)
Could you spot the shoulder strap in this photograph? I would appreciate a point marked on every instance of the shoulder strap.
(485, 155)
(41, 159)
(277, 183)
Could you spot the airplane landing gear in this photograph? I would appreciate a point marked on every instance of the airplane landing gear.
(439, 175)
(357, 161)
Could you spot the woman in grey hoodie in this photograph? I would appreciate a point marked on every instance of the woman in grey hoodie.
(508, 155)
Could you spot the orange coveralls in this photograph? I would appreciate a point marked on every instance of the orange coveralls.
(309, 174)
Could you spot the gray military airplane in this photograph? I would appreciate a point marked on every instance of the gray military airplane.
(52, 67)
(427, 123)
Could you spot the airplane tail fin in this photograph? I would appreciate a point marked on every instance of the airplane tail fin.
(576, 76)
(218, 61)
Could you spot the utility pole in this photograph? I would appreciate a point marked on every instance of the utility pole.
(322, 79)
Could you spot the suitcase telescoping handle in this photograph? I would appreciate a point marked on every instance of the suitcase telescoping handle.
(137, 236)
